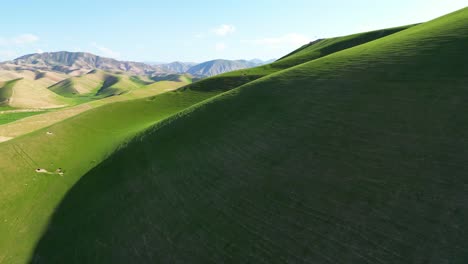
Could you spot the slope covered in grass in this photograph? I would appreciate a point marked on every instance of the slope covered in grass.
(30, 93)
(325, 47)
(173, 77)
(6, 90)
(25, 126)
(118, 84)
(97, 84)
(357, 157)
(6, 118)
(64, 87)
(28, 89)
(312, 51)
(75, 146)
(84, 84)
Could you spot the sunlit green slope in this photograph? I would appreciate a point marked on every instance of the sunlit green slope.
(97, 84)
(73, 147)
(357, 157)
(312, 51)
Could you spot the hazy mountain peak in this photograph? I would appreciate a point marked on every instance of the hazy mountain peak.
(218, 66)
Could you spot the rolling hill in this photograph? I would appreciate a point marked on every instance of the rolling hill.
(28, 89)
(337, 162)
(14, 126)
(312, 51)
(6, 91)
(87, 87)
(97, 83)
(76, 156)
(325, 156)
(36, 89)
(84, 84)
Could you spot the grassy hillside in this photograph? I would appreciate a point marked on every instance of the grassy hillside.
(117, 85)
(93, 86)
(6, 90)
(313, 51)
(74, 145)
(30, 124)
(172, 77)
(357, 157)
(6, 118)
(97, 84)
(64, 87)
(8, 114)
(28, 89)
(325, 47)
(31, 93)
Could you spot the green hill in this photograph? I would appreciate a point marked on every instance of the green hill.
(75, 146)
(171, 77)
(325, 47)
(312, 51)
(28, 89)
(6, 90)
(356, 157)
(97, 84)
(48, 118)
(77, 150)
(332, 161)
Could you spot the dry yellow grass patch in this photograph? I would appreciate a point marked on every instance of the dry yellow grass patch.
(28, 93)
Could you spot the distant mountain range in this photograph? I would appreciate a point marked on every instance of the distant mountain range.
(75, 62)
(78, 63)
(215, 67)
(208, 68)
(174, 67)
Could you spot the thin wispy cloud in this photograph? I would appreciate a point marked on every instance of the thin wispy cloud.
(224, 30)
(104, 51)
(25, 39)
(287, 40)
(22, 39)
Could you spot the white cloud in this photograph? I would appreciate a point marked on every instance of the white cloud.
(287, 40)
(25, 39)
(106, 51)
(220, 46)
(39, 51)
(224, 30)
(22, 39)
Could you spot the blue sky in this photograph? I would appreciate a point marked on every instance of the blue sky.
(163, 31)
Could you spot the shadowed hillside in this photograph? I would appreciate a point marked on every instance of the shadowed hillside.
(355, 157)
(97, 84)
(74, 145)
(6, 90)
